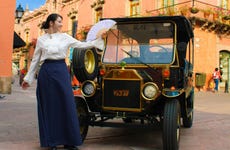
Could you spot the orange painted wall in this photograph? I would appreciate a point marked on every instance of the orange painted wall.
(6, 36)
(85, 13)
(7, 9)
(115, 9)
(206, 53)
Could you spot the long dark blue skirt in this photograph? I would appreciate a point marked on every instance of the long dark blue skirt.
(57, 116)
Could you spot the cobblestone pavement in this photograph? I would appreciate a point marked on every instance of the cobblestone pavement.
(210, 131)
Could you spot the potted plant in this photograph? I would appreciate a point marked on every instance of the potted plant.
(171, 11)
(226, 15)
(216, 13)
(207, 13)
(215, 16)
(194, 10)
(184, 10)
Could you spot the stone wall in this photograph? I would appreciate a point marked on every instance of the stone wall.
(5, 85)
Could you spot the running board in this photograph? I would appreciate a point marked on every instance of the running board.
(123, 125)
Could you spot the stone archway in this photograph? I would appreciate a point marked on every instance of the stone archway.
(225, 66)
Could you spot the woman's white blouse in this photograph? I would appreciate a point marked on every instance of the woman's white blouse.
(55, 46)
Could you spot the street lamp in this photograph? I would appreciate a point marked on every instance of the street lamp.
(19, 13)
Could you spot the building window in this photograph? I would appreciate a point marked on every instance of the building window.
(224, 4)
(134, 7)
(27, 32)
(166, 3)
(27, 37)
(167, 7)
(74, 26)
(98, 15)
(97, 5)
(72, 22)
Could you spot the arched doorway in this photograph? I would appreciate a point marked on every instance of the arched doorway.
(225, 66)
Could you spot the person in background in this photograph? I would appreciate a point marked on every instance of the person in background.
(57, 117)
(22, 75)
(221, 73)
(216, 78)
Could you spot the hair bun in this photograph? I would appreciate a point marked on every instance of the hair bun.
(45, 25)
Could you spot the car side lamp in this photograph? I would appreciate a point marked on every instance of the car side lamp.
(166, 73)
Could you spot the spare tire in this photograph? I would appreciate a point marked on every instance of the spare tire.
(85, 64)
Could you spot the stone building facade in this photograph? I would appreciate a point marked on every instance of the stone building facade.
(210, 21)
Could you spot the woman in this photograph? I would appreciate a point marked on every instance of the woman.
(58, 123)
(216, 78)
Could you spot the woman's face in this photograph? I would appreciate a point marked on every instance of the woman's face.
(56, 25)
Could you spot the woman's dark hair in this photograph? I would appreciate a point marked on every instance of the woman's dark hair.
(52, 17)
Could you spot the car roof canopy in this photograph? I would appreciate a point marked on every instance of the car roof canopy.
(184, 27)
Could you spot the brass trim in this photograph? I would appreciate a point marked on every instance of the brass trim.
(113, 73)
(94, 87)
(89, 61)
(180, 91)
(158, 92)
(117, 64)
(139, 78)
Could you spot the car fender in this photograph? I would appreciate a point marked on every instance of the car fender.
(169, 93)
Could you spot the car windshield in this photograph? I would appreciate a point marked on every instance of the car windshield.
(151, 43)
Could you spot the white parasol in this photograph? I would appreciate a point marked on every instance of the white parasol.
(99, 28)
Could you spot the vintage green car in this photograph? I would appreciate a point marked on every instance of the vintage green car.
(144, 76)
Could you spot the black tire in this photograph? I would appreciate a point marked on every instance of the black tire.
(83, 117)
(171, 125)
(188, 119)
(85, 64)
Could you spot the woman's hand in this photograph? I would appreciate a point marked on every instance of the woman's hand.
(25, 85)
(102, 34)
(99, 43)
